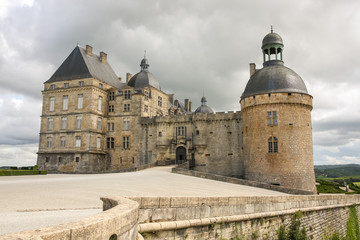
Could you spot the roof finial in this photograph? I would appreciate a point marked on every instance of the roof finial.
(144, 53)
(272, 30)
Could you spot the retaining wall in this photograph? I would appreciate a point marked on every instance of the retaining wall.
(118, 223)
(240, 217)
(181, 170)
(203, 218)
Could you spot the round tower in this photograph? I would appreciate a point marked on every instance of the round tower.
(276, 109)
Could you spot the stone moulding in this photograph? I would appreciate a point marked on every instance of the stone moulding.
(174, 225)
(120, 218)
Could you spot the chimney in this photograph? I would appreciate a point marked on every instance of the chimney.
(103, 57)
(252, 68)
(176, 103)
(171, 98)
(120, 79)
(187, 105)
(128, 77)
(190, 106)
(89, 50)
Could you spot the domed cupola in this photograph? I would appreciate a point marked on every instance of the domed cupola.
(274, 77)
(204, 108)
(144, 78)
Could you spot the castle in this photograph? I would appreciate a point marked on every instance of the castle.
(92, 121)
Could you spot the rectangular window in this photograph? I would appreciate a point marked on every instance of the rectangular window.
(60, 159)
(98, 142)
(100, 103)
(146, 108)
(65, 102)
(77, 159)
(99, 123)
(52, 104)
(50, 123)
(111, 96)
(126, 125)
(127, 107)
(272, 118)
(146, 93)
(78, 141)
(81, 83)
(126, 144)
(49, 142)
(63, 142)
(63, 122)
(100, 85)
(181, 131)
(110, 142)
(270, 147)
(159, 101)
(275, 118)
(111, 108)
(78, 122)
(80, 101)
(66, 85)
(127, 94)
(52, 86)
(111, 126)
(275, 146)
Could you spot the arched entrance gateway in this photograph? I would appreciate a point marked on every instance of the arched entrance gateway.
(180, 155)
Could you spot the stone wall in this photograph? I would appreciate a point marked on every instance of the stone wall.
(184, 169)
(291, 164)
(242, 217)
(203, 218)
(120, 222)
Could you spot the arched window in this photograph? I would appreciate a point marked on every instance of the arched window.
(273, 145)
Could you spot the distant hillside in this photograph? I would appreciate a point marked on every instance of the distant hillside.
(335, 171)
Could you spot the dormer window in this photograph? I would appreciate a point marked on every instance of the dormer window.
(66, 85)
(52, 86)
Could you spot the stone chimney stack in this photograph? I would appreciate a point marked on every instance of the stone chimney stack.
(190, 106)
(128, 77)
(187, 105)
(171, 98)
(120, 79)
(89, 50)
(252, 68)
(103, 57)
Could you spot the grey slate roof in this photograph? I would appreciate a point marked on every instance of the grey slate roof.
(274, 77)
(272, 38)
(204, 108)
(144, 78)
(79, 65)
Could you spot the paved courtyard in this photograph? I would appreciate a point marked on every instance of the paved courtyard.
(29, 202)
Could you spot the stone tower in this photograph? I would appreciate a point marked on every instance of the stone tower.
(277, 131)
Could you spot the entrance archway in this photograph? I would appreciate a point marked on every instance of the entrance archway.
(180, 155)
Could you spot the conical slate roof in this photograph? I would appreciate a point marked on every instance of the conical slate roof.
(79, 65)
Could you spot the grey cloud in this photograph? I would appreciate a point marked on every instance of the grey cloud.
(193, 47)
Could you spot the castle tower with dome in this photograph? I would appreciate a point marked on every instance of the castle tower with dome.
(92, 121)
(276, 109)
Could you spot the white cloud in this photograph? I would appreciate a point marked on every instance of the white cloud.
(18, 155)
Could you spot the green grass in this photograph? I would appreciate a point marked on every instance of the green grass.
(21, 172)
(356, 184)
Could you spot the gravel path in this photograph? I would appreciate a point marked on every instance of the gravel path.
(29, 202)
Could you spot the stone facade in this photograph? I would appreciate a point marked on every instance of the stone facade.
(94, 122)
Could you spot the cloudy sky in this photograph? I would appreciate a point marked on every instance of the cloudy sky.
(194, 47)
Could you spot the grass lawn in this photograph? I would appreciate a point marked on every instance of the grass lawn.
(21, 172)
